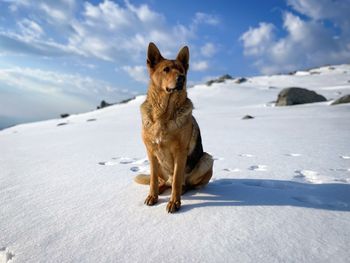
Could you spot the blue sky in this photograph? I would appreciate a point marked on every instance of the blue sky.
(66, 56)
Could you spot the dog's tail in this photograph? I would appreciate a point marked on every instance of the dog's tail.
(142, 179)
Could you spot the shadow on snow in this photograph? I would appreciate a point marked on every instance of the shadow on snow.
(261, 192)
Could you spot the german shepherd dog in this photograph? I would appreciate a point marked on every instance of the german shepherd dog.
(170, 132)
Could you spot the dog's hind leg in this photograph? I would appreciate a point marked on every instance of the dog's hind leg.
(162, 188)
(201, 173)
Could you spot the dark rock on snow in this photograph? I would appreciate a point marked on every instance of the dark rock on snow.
(64, 115)
(315, 72)
(126, 100)
(247, 117)
(294, 96)
(221, 79)
(62, 123)
(224, 78)
(210, 82)
(343, 99)
(104, 104)
(240, 80)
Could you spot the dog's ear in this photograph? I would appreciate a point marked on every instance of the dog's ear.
(184, 57)
(153, 55)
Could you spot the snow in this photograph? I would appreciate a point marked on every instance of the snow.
(280, 190)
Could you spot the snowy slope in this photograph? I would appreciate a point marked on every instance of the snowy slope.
(280, 190)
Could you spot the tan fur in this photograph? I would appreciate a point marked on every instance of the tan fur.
(169, 131)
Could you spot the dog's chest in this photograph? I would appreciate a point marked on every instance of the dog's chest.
(162, 151)
(157, 140)
(158, 135)
(160, 139)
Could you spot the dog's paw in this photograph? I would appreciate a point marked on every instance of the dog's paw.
(172, 206)
(151, 200)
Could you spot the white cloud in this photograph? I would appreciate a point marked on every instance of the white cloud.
(145, 14)
(30, 28)
(58, 12)
(106, 30)
(199, 65)
(19, 44)
(204, 18)
(15, 4)
(53, 83)
(138, 73)
(54, 13)
(208, 50)
(307, 42)
(34, 94)
(322, 9)
(107, 14)
(256, 40)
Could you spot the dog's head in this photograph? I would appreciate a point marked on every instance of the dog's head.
(168, 75)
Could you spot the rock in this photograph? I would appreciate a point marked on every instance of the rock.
(209, 82)
(62, 123)
(343, 99)
(294, 96)
(104, 104)
(240, 80)
(64, 115)
(224, 77)
(221, 79)
(247, 117)
(126, 100)
(91, 120)
(315, 72)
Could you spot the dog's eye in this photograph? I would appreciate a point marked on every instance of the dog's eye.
(166, 69)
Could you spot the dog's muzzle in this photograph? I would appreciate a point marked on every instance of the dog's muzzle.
(180, 82)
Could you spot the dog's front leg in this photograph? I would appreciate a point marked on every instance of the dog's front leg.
(152, 197)
(178, 177)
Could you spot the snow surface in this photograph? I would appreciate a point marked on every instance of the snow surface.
(280, 190)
